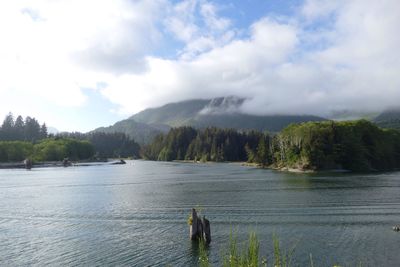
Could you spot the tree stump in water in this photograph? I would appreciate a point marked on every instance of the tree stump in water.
(66, 162)
(200, 228)
(207, 230)
(28, 164)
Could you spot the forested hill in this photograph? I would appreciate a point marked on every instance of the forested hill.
(223, 112)
(172, 114)
(389, 119)
(141, 132)
(352, 145)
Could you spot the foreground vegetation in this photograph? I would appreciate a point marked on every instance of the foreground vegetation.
(350, 145)
(248, 255)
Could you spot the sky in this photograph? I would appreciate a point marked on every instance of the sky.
(81, 64)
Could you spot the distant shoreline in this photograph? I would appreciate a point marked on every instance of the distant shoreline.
(48, 164)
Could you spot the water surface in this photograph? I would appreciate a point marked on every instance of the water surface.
(136, 214)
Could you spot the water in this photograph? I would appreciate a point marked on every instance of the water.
(135, 214)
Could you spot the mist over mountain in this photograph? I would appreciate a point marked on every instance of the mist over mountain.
(222, 112)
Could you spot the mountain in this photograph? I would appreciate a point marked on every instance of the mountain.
(389, 119)
(349, 115)
(141, 132)
(223, 112)
(173, 114)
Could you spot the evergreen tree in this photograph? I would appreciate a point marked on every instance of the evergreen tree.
(7, 128)
(19, 128)
(43, 131)
(32, 129)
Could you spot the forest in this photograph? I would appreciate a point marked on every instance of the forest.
(26, 138)
(328, 145)
(349, 145)
(210, 144)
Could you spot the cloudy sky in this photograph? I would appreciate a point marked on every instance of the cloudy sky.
(81, 64)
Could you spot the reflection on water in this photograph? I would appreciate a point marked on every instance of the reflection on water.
(136, 214)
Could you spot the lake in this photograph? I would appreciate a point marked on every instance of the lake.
(136, 214)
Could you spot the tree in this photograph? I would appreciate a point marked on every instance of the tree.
(43, 131)
(32, 129)
(7, 128)
(262, 151)
(19, 128)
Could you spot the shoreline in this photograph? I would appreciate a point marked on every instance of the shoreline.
(49, 164)
(254, 165)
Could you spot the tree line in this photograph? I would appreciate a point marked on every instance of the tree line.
(20, 129)
(26, 138)
(107, 145)
(45, 150)
(210, 144)
(351, 145)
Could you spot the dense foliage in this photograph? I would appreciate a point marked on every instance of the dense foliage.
(352, 145)
(108, 145)
(20, 139)
(12, 151)
(58, 149)
(45, 150)
(210, 144)
(22, 130)
(111, 145)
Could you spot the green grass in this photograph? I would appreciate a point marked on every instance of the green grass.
(248, 254)
(203, 254)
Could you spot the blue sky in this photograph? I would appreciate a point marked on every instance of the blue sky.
(78, 65)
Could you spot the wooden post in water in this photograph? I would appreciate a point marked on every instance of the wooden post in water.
(200, 228)
(207, 230)
(28, 164)
(193, 227)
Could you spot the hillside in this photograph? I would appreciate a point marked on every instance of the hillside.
(389, 119)
(173, 114)
(219, 112)
(223, 112)
(140, 132)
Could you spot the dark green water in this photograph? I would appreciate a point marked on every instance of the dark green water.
(135, 214)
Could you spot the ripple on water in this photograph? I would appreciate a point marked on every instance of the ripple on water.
(135, 215)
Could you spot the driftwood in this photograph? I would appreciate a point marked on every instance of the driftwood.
(200, 228)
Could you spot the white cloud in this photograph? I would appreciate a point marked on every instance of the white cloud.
(332, 55)
(348, 61)
(198, 25)
(50, 50)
